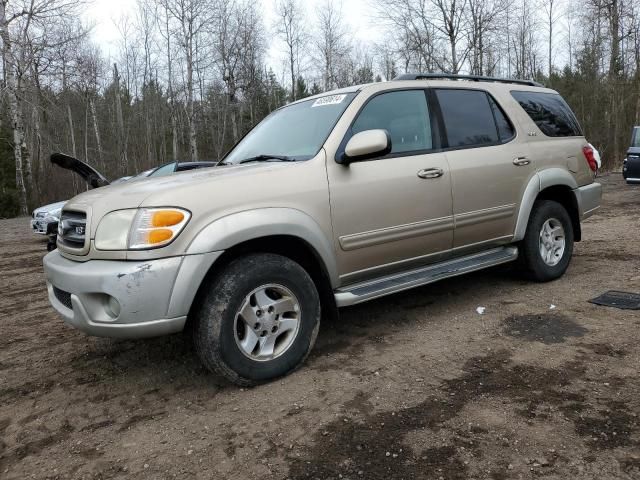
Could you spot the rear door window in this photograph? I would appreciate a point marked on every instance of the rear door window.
(404, 114)
(469, 118)
(550, 113)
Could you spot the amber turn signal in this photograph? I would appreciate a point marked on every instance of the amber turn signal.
(166, 218)
(159, 235)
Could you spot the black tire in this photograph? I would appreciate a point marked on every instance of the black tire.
(214, 326)
(531, 261)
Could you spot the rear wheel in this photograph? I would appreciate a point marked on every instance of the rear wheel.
(547, 247)
(258, 320)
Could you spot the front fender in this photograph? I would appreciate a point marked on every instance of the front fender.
(226, 232)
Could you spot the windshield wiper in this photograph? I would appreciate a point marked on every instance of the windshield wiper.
(268, 158)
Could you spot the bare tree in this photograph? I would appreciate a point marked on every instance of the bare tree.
(414, 33)
(451, 24)
(524, 43)
(191, 17)
(122, 134)
(292, 30)
(331, 42)
(552, 15)
(164, 19)
(17, 22)
(482, 18)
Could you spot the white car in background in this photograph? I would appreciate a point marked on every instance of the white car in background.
(596, 155)
(44, 220)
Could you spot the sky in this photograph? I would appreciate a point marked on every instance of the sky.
(104, 14)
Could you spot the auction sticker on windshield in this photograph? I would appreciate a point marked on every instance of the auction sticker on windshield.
(329, 100)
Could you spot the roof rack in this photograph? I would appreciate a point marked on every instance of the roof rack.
(472, 78)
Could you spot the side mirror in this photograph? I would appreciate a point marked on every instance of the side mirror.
(366, 145)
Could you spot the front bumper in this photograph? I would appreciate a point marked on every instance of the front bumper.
(631, 169)
(588, 198)
(40, 226)
(121, 299)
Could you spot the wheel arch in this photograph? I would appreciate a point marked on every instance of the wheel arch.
(229, 232)
(283, 231)
(292, 247)
(553, 184)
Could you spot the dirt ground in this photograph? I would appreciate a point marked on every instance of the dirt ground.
(412, 386)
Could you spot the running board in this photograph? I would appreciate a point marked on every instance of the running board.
(364, 291)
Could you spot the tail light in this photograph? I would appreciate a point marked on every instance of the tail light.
(590, 157)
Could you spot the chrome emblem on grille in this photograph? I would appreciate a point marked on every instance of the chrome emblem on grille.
(80, 230)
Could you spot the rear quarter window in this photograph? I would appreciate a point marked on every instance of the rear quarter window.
(549, 112)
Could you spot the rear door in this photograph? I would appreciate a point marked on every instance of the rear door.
(387, 213)
(490, 166)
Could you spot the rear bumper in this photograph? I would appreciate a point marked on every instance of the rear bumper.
(589, 198)
(125, 299)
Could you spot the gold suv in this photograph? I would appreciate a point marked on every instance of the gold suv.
(329, 201)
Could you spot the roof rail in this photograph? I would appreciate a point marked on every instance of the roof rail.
(472, 78)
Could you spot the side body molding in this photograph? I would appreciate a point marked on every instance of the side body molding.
(237, 228)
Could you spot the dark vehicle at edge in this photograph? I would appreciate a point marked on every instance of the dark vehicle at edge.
(631, 166)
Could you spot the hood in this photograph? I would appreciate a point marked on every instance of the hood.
(50, 207)
(183, 189)
(94, 178)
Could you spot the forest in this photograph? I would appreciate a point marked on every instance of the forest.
(190, 77)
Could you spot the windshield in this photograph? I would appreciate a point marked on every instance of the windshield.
(296, 131)
(167, 169)
(635, 137)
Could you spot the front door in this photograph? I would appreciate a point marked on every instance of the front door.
(392, 212)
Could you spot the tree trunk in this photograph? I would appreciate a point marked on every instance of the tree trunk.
(293, 75)
(73, 145)
(96, 132)
(172, 113)
(193, 144)
(120, 124)
(12, 98)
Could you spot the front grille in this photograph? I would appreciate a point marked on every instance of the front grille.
(63, 297)
(72, 229)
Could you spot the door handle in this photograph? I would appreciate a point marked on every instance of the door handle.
(521, 161)
(430, 173)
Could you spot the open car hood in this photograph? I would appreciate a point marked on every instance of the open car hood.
(94, 178)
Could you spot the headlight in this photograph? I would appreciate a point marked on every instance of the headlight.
(113, 230)
(139, 229)
(156, 227)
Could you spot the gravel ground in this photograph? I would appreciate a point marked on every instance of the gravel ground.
(412, 386)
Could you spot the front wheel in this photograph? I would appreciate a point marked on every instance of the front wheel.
(547, 247)
(258, 319)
